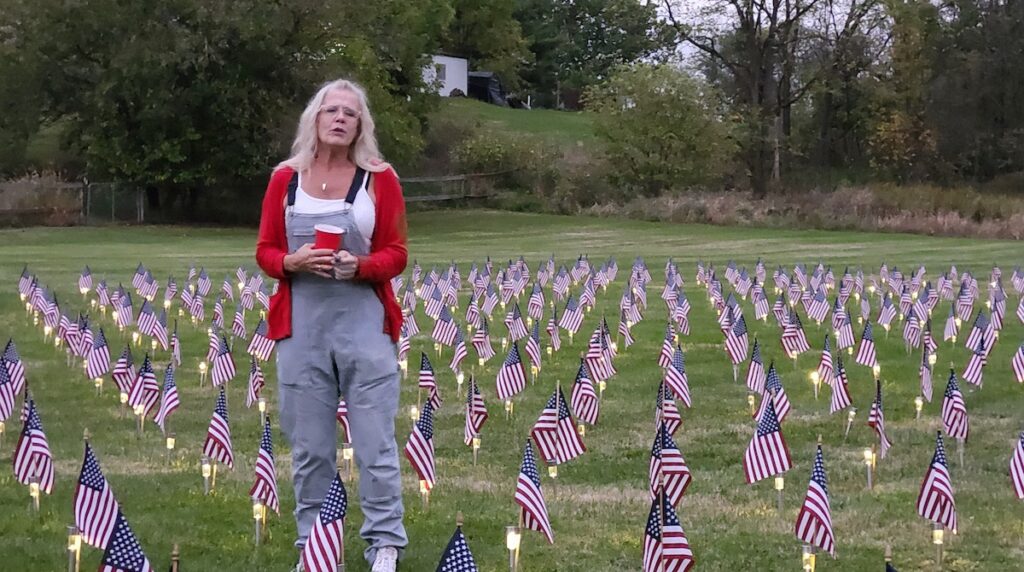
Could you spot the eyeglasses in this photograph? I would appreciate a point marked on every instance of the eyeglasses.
(334, 110)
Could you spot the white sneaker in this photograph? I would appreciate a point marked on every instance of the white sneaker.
(386, 560)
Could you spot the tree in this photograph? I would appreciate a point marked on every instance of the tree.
(660, 128)
(576, 43)
(488, 35)
(187, 95)
(759, 48)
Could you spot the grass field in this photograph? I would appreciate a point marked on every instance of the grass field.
(599, 503)
(560, 127)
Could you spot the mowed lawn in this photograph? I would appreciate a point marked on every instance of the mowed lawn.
(599, 502)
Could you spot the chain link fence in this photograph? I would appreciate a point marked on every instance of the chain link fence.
(56, 203)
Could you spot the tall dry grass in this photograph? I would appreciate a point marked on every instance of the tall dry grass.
(917, 209)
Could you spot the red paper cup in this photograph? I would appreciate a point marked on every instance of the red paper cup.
(329, 236)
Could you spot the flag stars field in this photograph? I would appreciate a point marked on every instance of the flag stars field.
(599, 506)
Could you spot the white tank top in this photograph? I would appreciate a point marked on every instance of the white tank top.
(362, 209)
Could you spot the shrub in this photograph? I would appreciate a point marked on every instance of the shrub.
(660, 128)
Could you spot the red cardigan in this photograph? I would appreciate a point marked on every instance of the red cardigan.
(387, 258)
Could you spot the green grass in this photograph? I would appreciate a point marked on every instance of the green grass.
(599, 503)
(560, 127)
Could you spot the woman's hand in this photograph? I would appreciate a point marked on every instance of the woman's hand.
(312, 260)
(345, 265)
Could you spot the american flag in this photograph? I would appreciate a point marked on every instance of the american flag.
(103, 294)
(666, 410)
(736, 340)
(776, 394)
(511, 375)
(24, 281)
(261, 346)
(85, 280)
(1020, 309)
(32, 457)
(825, 371)
(534, 511)
(552, 330)
(238, 323)
(265, 486)
(583, 398)
(666, 548)
(982, 330)
(98, 358)
(218, 436)
(124, 370)
(171, 289)
(476, 412)
(767, 454)
(149, 287)
(935, 501)
(256, 383)
(514, 323)
(341, 414)
(597, 362)
(145, 391)
(420, 448)
(755, 371)
(926, 377)
(1017, 363)
(228, 289)
(761, 308)
(794, 341)
(912, 329)
(490, 300)
(125, 315)
(840, 387)
(866, 351)
(1017, 467)
(457, 556)
(887, 312)
(675, 377)
(667, 467)
(814, 522)
(95, 506)
(473, 311)
(533, 345)
(139, 276)
(203, 283)
(434, 304)
(324, 546)
(409, 322)
(169, 401)
(460, 352)
(976, 364)
(223, 364)
(15, 369)
(535, 305)
(428, 381)
(667, 346)
(572, 316)
(955, 421)
(876, 420)
(445, 328)
(624, 331)
(218, 313)
(6, 392)
(482, 341)
(555, 432)
(123, 552)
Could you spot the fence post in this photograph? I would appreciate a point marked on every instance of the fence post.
(113, 203)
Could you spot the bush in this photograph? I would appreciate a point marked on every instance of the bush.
(523, 163)
(660, 128)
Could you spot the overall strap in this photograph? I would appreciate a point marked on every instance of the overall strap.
(293, 185)
(358, 181)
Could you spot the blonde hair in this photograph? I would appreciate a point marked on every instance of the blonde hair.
(363, 151)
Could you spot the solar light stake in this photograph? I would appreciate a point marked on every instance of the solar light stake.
(74, 548)
(780, 484)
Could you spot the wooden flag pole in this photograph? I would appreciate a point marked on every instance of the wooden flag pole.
(960, 450)
(661, 516)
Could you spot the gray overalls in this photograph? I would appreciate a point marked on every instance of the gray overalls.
(338, 347)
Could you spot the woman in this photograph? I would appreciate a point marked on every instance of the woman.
(334, 314)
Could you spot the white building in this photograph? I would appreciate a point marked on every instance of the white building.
(447, 73)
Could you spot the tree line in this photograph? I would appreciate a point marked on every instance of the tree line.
(189, 94)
